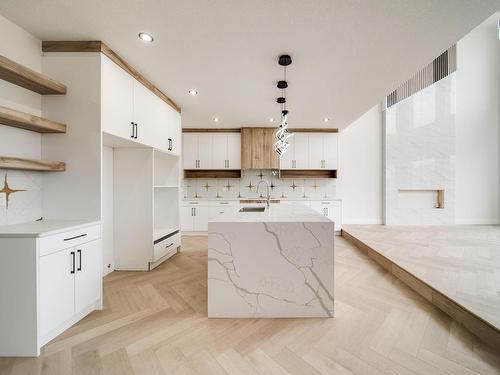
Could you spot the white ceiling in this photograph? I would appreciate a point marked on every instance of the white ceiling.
(347, 54)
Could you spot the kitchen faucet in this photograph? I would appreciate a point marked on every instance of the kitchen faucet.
(268, 195)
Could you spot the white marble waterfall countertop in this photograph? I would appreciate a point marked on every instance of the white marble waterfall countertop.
(276, 264)
(42, 228)
(282, 212)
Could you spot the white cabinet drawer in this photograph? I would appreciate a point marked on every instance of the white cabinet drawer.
(166, 246)
(51, 244)
(221, 210)
(226, 203)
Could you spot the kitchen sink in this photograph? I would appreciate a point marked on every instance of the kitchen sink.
(252, 209)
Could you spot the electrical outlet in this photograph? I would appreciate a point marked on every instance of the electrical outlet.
(3, 199)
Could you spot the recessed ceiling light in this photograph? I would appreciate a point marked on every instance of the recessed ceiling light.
(146, 37)
(216, 119)
(326, 119)
(193, 92)
(271, 119)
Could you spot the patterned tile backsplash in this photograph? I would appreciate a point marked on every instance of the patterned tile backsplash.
(22, 194)
(246, 187)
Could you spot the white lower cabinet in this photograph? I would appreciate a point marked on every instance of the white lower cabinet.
(330, 209)
(194, 217)
(57, 280)
(88, 285)
(57, 289)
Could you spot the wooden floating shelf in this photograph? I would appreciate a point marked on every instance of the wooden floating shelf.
(31, 164)
(27, 121)
(219, 173)
(307, 173)
(29, 79)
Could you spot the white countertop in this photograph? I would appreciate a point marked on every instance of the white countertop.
(276, 213)
(42, 228)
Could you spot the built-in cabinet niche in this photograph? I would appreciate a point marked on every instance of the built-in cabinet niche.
(146, 207)
(133, 112)
(211, 151)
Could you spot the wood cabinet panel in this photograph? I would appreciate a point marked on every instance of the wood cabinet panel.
(257, 149)
(246, 148)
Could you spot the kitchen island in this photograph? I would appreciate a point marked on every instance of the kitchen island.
(271, 264)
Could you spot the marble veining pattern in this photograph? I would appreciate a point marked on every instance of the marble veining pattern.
(270, 269)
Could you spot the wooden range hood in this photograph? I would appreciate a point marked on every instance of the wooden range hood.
(257, 149)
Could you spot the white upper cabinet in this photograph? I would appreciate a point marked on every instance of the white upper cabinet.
(219, 155)
(311, 151)
(146, 113)
(174, 130)
(130, 110)
(211, 151)
(205, 151)
(117, 100)
(190, 150)
(330, 151)
(287, 160)
(316, 151)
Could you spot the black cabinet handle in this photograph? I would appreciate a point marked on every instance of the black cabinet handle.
(166, 247)
(133, 130)
(136, 130)
(170, 144)
(73, 262)
(79, 260)
(72, 238)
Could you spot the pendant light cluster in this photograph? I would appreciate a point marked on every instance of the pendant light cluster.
(282, 134)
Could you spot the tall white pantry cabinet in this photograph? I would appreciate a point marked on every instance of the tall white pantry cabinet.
(108, 108)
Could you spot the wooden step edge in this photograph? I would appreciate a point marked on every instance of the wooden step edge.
(22, 76)
(18, 119)
(7, 162)
(481, 328)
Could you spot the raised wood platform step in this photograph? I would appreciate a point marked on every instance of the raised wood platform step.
(29, 79)
(28, 121)
(449, 266)
(31, 164)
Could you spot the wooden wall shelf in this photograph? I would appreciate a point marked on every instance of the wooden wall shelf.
(31, 164)
(218, 173)
(307, 173)
(29, 79)
(27, 121)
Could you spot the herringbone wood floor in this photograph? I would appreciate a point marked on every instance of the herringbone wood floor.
(155, 323)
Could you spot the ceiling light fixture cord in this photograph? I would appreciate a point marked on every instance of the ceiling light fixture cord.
(282, 134)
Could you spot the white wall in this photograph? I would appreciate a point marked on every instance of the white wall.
(108, 255)
(477, 125)
(20, 46)
(359, 181)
